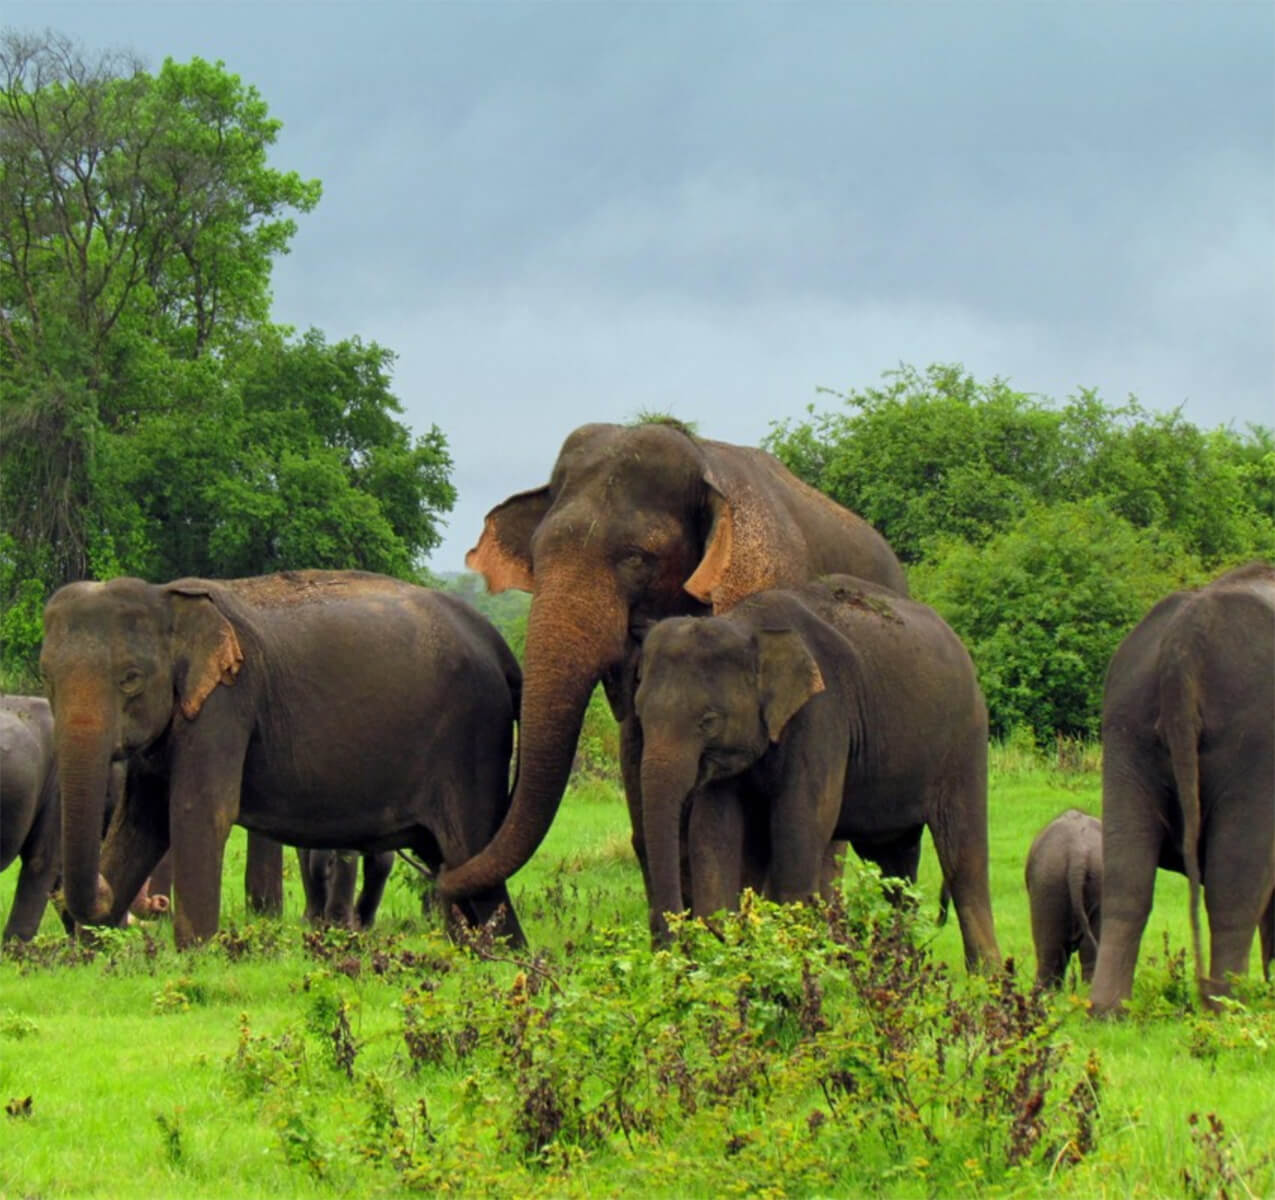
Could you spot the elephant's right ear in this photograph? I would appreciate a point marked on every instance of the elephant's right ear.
(787, 676)
(205, 645)
(503, 553)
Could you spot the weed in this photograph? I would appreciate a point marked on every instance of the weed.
(171, 1131)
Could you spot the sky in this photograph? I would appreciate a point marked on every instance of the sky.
(560, 212)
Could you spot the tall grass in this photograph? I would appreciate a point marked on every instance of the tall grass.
(283, 1061)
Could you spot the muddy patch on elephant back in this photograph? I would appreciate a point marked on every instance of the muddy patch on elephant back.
(291, 589)
(868, 601)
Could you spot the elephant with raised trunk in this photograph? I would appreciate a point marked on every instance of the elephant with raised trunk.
(834, 710)
(322, 709)
(1188, 777)
(1064, 891)
(638, 523)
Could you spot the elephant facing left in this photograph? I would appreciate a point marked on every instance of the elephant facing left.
(322, 709)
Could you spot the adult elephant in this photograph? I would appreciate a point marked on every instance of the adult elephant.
(837, 709)
(29, 813)
(1188, 776)
(638, 523)
(318, 708)
(329, 879)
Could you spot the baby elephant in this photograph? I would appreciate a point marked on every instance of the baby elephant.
(1064, 886)
(329, 878)
(836, 710)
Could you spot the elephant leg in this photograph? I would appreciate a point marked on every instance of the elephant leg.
(1236, 871)
(263, 876)
(1088, 952)
(36, 879)
(958, 826)
(376, 872)
(1132, 837)
(479, 909)
(136, 840)
(717, 844)
(312, 866)
(900, 859)
(631, 776)
(1050, 904)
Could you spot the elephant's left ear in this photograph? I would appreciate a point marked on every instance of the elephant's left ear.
(503, 554)
(787, 675)
(719, 548)
(204, 641)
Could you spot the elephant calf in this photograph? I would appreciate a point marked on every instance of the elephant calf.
(329, 878)
(833, 710)
(1064, 889)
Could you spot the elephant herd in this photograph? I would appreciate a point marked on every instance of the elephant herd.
(778, 694)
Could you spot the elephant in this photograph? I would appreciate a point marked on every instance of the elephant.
(637, 523)
(30, 820)
(836, 709)
(329, 878)
(320, 709)
(1188, 777)
(1064, 890)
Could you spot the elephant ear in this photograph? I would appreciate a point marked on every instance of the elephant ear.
(748, 546)
(787, 677)
(503, 553)
(205, 642)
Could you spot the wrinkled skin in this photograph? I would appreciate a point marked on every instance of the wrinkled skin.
(329, 878)
(321, 709)
(1188, 777)
(1064, 889)
(30, 823)
(833, 710)
(635, 524)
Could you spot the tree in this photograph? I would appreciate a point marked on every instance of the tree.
(154, 422)
(138, 219)
(1042, 606)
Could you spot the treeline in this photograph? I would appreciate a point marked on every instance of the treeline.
(153, 419)
(1041, 532)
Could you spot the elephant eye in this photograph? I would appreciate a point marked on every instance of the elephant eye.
(131, 681)
(710, 722)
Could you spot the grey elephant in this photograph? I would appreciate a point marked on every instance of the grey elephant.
(1063, 876)
(317, 708)
(1188, 777)
(329, 879)
(30, 817)
(637, 523)
(837, 709)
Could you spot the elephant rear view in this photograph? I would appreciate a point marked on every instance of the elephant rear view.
(1064, 889)
(321, 709)
(1188, 776)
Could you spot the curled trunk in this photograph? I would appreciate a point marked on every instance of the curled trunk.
(573, 635)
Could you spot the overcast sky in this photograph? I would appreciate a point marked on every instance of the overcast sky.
(566, 212)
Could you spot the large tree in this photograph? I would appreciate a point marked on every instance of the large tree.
(153, 420)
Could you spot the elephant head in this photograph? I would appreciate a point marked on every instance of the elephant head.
(121, 662)
(636, 524)
(713, 696)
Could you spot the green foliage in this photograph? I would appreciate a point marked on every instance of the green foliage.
(1043, 605)
(154, 421)
(1042, 534)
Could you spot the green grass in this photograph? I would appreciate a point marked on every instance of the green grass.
(217, 1073)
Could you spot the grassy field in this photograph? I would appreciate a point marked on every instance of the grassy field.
(285, 1062)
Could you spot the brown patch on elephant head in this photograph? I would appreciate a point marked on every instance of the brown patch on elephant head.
(206, 642)
(857, 597)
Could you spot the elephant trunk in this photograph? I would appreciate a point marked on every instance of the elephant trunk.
(667, 781)
(84, 762)
(573, 635)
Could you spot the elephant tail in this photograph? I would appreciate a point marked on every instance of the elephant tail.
(1179, 727)
(945, 898)
(1076, 871)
